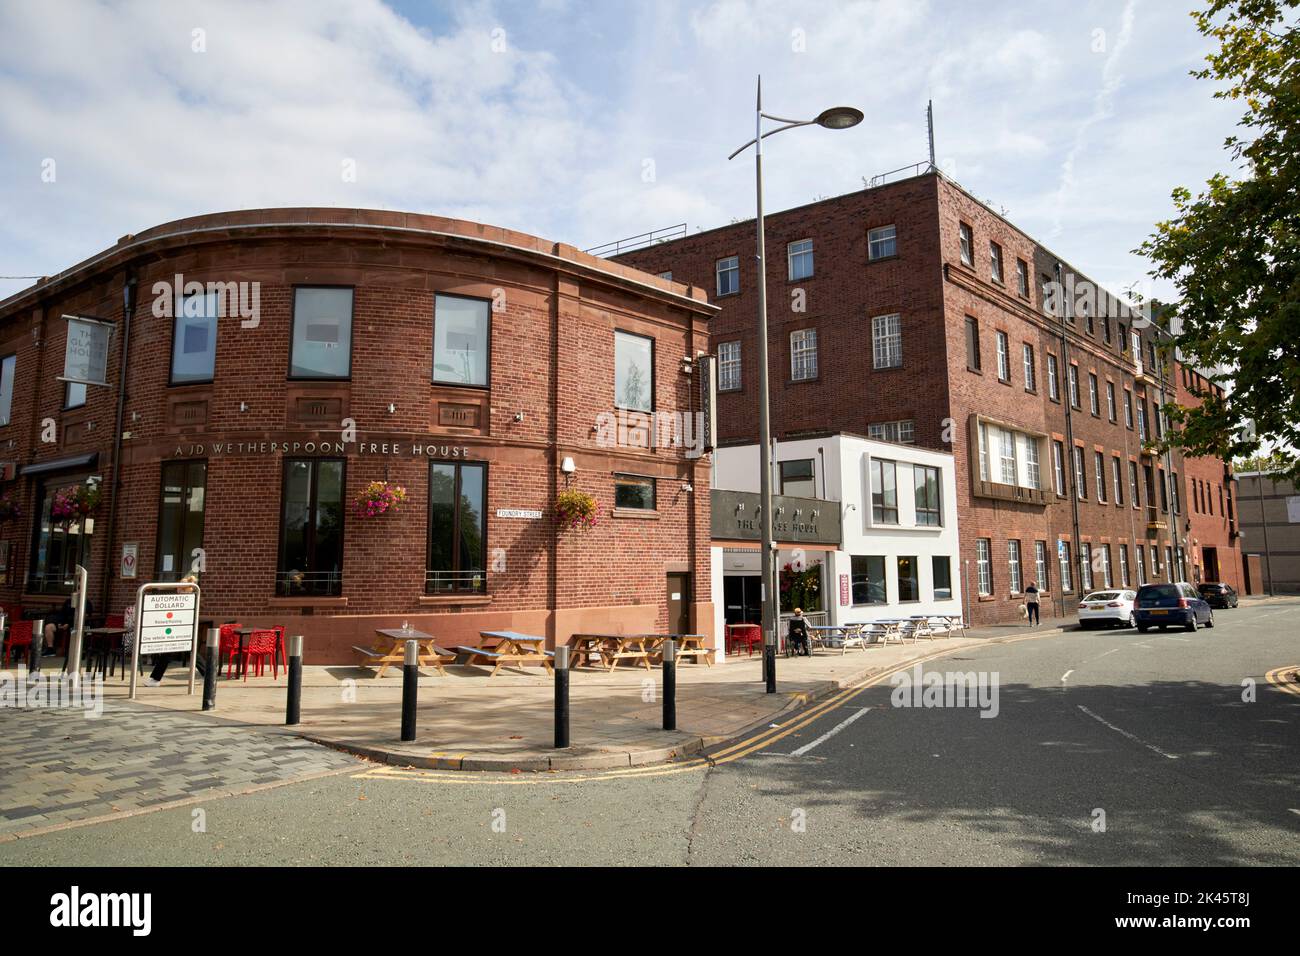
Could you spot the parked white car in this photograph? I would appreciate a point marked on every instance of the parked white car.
(1107, 608)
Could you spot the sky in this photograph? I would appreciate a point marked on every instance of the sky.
(586, 122)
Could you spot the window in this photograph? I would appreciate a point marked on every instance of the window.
(1117, 480)
(7, 367)
(180, 518)
(1013, 565)
(1022, 278)
(797, 478)
(728, 273)
(58, 547)
(902, 431)
(1141, 563)
(1105, 566)
(1123, 339)
(1063, 560)
(884, 492)
(634, 371)
(1073, 373)
(1048, 290)
(966, 243)
(984, 450)
(803, 354)
(462, 330)
(322, 333)
(1033, 474)
(972, 344)
(926, 480)
(1040, 565)
(1123, 566)
(909, 586)
(1058, 466)
(1004, 358)
(1110, 401)
(983, 572)
(1007, 457)
(887, 341)
(995, 262)
(666, 275)
(1085, 567)
(635, 493)
(1169, 563)
(1173, 493)
(1053, 379)
(729, 366)
(311, 527)
(1080, 476)
(457, 559)
(799, 258)
(1105, 328)
(1128, 409)
(1027, 357)
(1099, 472)
(74, 396)
(882, 243)
(1093, 397)
(868, 579)
(194, 338)
(941, 572)
(1133, 483)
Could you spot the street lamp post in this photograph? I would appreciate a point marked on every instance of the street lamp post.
(840, 117)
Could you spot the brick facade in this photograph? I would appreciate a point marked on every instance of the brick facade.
(551, 375)
(927, 283)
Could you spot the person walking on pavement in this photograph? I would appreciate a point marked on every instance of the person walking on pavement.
(1031, 602)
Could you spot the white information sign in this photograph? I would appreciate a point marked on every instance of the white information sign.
(168, 622)
(517, 513)
(1293, 509)
(86, 352)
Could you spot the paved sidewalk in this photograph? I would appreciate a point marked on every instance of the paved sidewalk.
(469, 721)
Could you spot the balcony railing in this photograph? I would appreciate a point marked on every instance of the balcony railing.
(1154, 520)
(995, 489)
(653, 237)
(455, 582)
(309, 583)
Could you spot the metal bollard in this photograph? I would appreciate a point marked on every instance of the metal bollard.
(38, 646)
(769, 666)
(562, 696)
(670, 685)
(294, 711)
(410, 687)
(212, 664)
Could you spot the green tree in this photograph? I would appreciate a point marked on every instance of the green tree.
(1233, 251)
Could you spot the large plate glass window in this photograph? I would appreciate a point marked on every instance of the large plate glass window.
(634, 492)
(322, 333)
(194, 338)
(941, 567)
(634, 371)
(180, 518)
(462, 335)
(58, 546)
(311, 528)
(7, 367)
(926, 480)
(884, 492)
(457, 528)
(868, 579)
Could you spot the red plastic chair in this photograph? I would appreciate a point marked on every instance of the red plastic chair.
(115, 620)
(228, 647)
(261, 645)
(20, 637)
(279, 640)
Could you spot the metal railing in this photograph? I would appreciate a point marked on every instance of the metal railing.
(902, 172)
(654, 236)
(314, 583)
(455, 582)
(50, 583)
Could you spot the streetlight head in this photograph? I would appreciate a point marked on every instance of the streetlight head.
(839, 117)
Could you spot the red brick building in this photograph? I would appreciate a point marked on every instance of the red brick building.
(465, 363)
(912, 312)
(1214, 537)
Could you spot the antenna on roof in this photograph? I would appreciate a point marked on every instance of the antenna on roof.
(929, 124)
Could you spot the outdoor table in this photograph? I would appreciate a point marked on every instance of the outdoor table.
(887, 628)
(509, 647)
(101, 644)
(617, 647)
(429, 653)
(688, 645)
(845, 633)
(747, 634)
(244, 634)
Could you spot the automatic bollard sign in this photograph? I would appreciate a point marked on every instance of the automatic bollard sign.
(168, 622)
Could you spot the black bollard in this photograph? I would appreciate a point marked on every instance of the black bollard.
(670, 685)
(212, 664)
(562, 696)
(769, 666)
(294, 664)
(38, 646)
(410, 687)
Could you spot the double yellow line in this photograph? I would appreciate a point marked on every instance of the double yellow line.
(1285, 679)
(736, 751)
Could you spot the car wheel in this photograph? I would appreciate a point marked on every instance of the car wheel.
(1132, 619)
(1209, 622)
(1191, 623)
(1142, 628)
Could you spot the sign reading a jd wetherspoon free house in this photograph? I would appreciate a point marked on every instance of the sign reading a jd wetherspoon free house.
(85, 357)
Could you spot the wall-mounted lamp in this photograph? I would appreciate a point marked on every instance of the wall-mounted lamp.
(391, 408)
(687, 486)
(519, 416)
(243, 406)
(567, 466)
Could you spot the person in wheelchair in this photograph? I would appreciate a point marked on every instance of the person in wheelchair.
(796, 637)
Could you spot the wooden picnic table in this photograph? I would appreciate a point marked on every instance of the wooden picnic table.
(613, 648)
(430, 654)
(844, 634)
(509, 647)
(688, 645)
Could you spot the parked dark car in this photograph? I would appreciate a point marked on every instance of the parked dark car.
(1169, 605)
(1218, 594)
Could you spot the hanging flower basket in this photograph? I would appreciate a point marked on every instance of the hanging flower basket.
(75, 503)
(377, 498)
(575, 511)
(9, 510)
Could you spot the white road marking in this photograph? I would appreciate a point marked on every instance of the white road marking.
(1066, 674)
(1166, 637)
(1124, 733)
(829, 734)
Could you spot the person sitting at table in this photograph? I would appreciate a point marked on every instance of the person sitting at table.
(797, 633)
(58, 629)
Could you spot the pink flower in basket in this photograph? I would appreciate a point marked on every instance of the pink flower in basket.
(377, 498)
